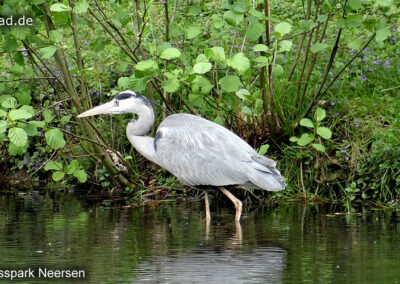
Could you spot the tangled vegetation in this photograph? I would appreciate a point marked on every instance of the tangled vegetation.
(312, 84)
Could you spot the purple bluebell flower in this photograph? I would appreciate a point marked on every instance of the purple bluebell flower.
(343, 151)
(387, 62)
(356, 124)
(351, 51)
(346, 158)
(363, 77)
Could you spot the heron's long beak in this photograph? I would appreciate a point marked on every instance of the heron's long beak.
(109, 107)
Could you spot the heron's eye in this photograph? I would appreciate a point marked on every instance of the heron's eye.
(116, 103)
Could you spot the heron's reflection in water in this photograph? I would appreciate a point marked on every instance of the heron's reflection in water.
(226, 263)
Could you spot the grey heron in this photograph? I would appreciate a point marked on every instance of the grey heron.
(197, 151)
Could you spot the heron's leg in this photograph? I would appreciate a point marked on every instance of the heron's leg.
(208, 216)
(236, 202)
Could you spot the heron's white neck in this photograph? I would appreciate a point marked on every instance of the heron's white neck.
(143, 124)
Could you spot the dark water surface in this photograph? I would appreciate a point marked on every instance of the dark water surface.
(291, 243)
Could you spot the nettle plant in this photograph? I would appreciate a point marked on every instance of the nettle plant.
(318, 131)
(72, 169)
(18, 128)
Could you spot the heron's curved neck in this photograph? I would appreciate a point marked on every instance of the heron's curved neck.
(143, 124)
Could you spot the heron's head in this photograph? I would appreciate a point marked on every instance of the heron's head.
(124, 102)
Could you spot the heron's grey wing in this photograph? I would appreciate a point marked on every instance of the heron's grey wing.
(200, 152)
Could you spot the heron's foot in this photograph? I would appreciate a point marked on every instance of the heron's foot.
(238, 204)
(207, 207)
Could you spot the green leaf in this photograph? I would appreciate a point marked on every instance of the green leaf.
(81, 175)
(191, 30)
(24, 112)
(239, 6)
(137, 84)
(14, 150)
(261, 61)
(259, 15)
(55, 138)
(320, 114)
(53, 165)
(48, 116)
(355, 4)
(23, 96)
(324, 132)
(260, 47)
(18, 136)
(383, 3)
(307, 123)
(254, 31)
(263, 149)
(230, 83)
(65, 119)
(282, 29)
(239, 62)
(305, 139)
(3, 126)
(17, 69)
(353, 21)
(382, 34)
(3, 113)
(201, 58)
(201, 84)
(123, 83)
(55, 36)
(202, 67)
(171, 85)
(20, 32)
(9, 102)
(37, 123)
(72, 167)
(278, 70)
(59, 7)
(218, 52)
(233, 18)
(317, 47)
(285, 45)
(30, 130)
(81, 7)
(58, 176)
(219, 120)
(242, 93)
(146, 65)
(355, 44)
(319, 147)
(170, 53)
(47, 52)
(247, 111)
(294, 139)
(10, 44)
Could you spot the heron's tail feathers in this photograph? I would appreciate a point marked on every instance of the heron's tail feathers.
(265, 175)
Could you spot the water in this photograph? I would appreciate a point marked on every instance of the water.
(171, 243)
